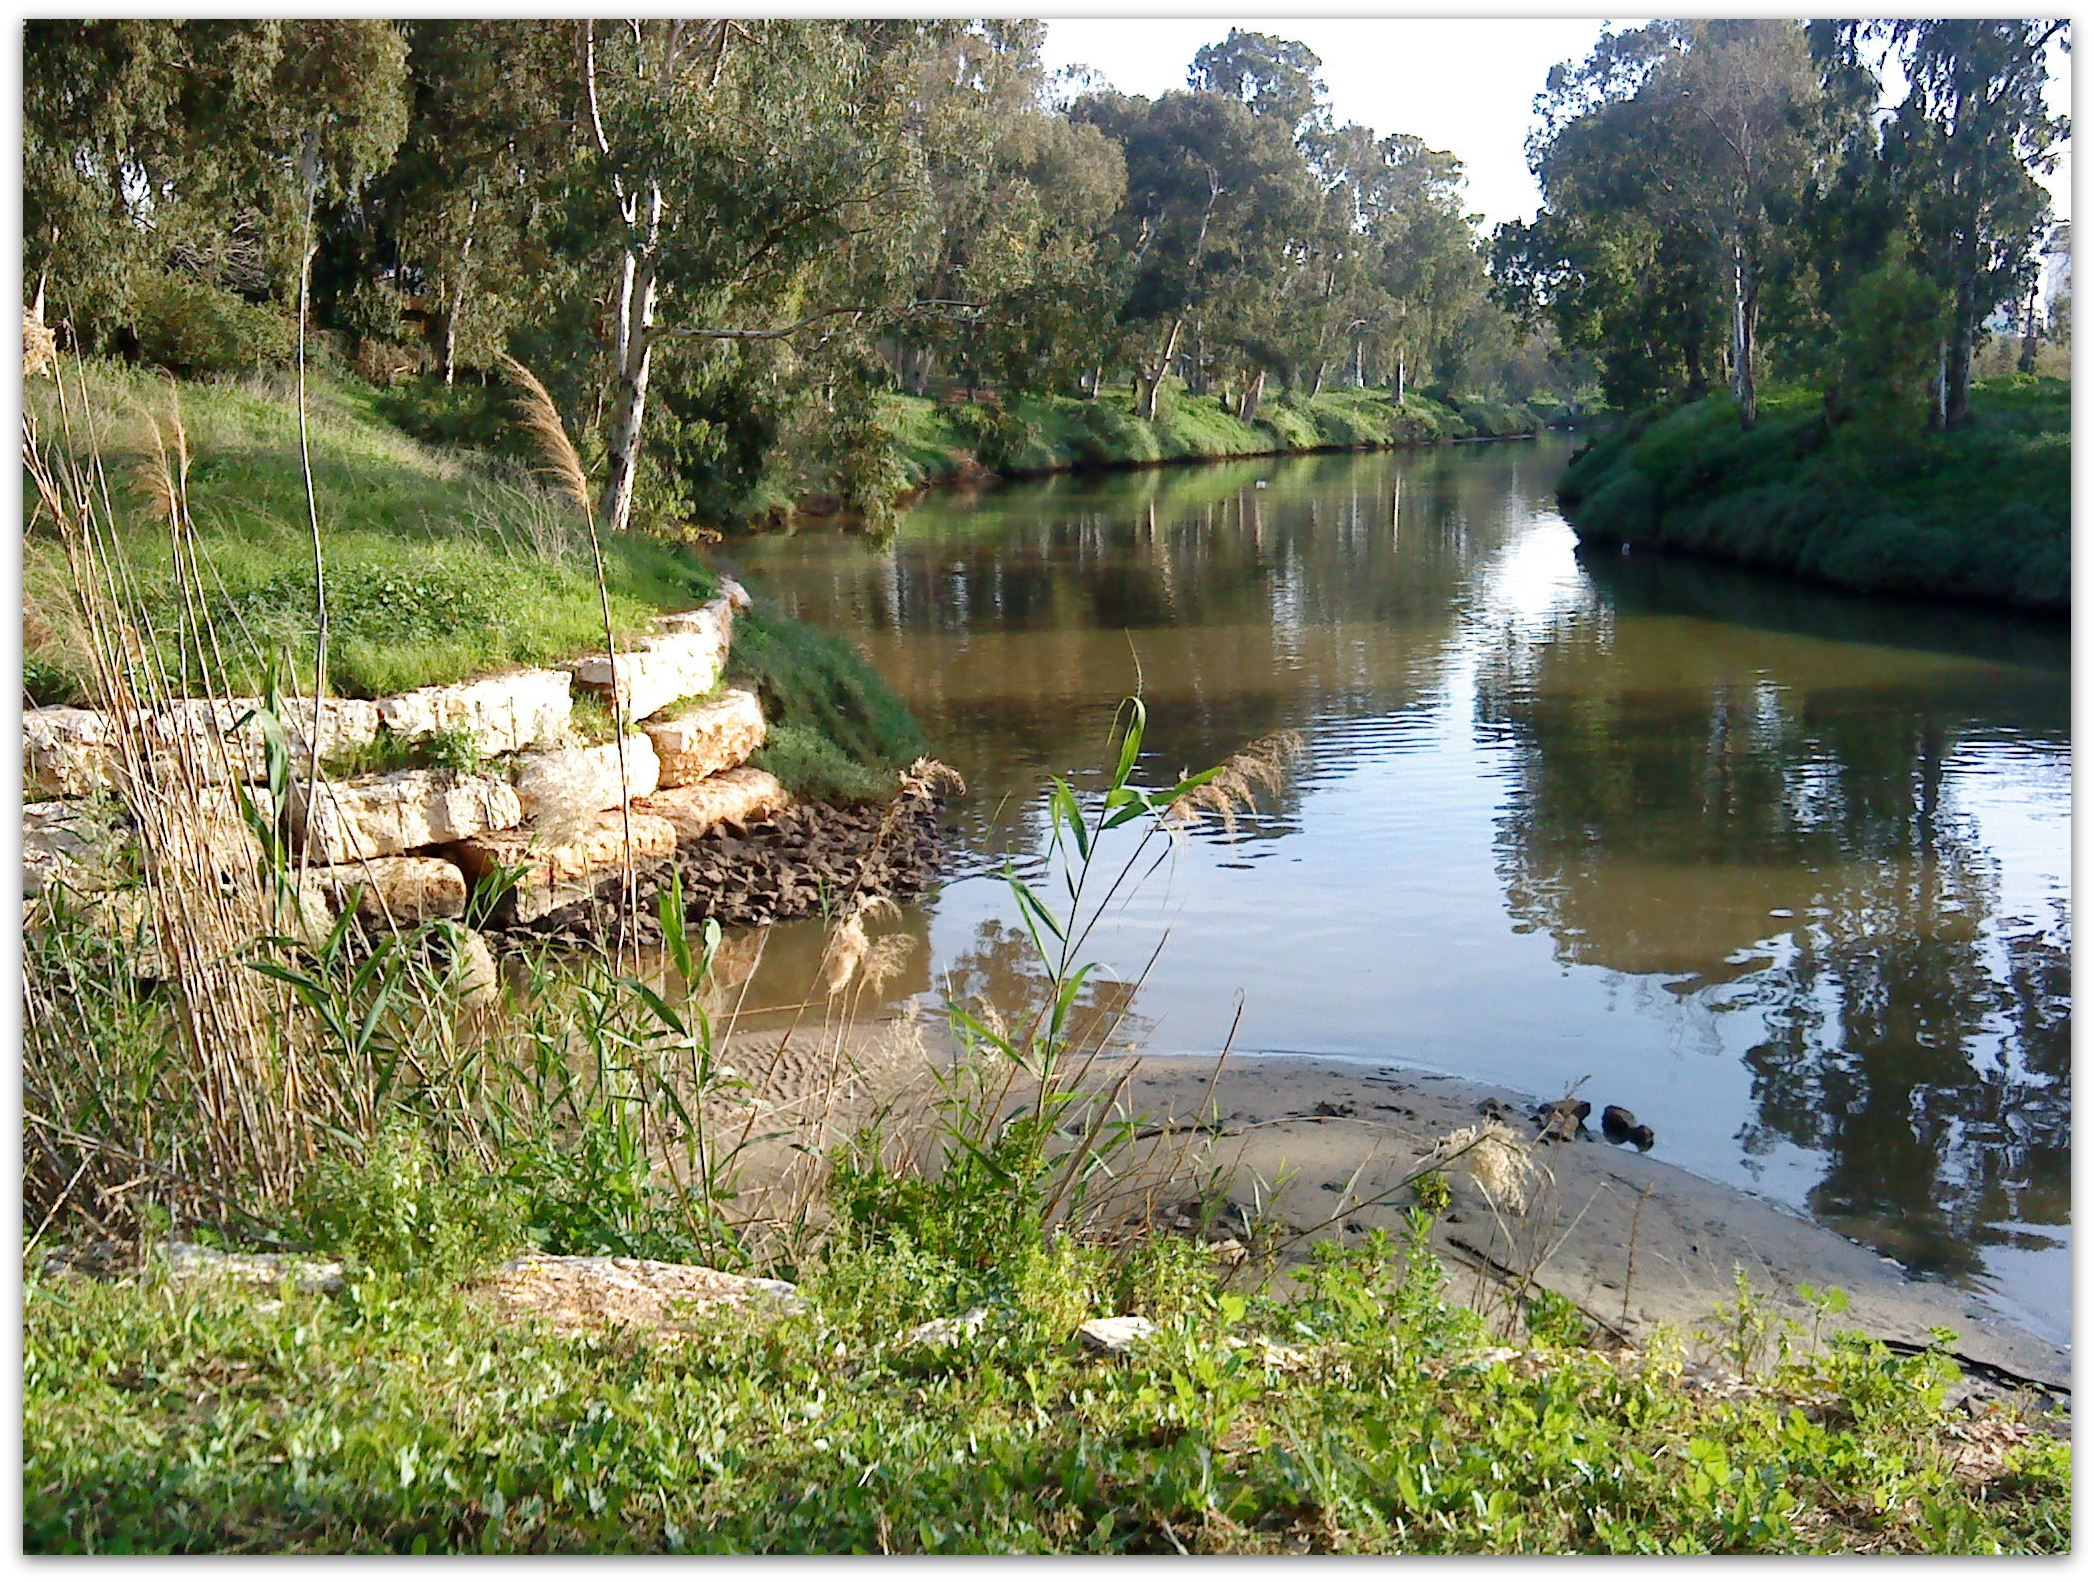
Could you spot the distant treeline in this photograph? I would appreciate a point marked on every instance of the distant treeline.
(727, 245)
(1730, 201)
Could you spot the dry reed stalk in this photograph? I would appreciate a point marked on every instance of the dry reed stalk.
(559, 461)
(1233, 788)
(204, 896)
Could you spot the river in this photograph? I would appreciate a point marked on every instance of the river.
(1782, 870)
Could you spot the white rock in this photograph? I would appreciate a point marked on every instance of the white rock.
(71, 841)
(66, 752)
(569, 782)
(735, 594)
(739, 796)
(506, 713)
(683, 660)
(402, 889)
(1115, 1336)
(708, 738)
(187, 1261)
(947, 1331)
(572, 867)
(217, 737)
(385, 815)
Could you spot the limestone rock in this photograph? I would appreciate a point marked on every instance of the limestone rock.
(186, 1261)
(505, 713)
(216, 737)
(66, 752)
(708, 738)
(735, 594)
(1113, 1337)
(573, 868)
(73, 841)
(569, 782)
(576, 1295)
(684, 659)
(385, 815)
(403, 889)
(947, 1331)
(741, 796)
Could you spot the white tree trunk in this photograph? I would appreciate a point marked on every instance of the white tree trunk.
(635, 352)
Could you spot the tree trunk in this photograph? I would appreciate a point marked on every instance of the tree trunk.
(1744, 322)
(2026, 362)
(635, 352)
(1151, 380)
(1316, 384)
(444, 335)
(1253, 390)
(1955, 398)
(1396, 381)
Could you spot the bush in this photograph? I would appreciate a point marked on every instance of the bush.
(190, 327)
(837, 733)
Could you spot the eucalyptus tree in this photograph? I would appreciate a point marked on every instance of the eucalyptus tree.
(755, 180)
(1964, 148)
(196, 145)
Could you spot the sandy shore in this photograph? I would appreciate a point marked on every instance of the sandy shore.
(1313, 1143)
(1337, 1134)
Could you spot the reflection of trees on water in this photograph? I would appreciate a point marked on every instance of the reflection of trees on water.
(1015, 621)
(1791, 846)
(1001, 971)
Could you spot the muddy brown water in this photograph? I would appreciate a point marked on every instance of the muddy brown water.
(1782, 870)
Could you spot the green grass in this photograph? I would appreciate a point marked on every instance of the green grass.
(836, 732)
(439, 566)
(1055, 433)
(1983, 512)
(400, 1416)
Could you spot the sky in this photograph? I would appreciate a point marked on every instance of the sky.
(1465, 85)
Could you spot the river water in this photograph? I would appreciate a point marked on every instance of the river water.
(1782, 870)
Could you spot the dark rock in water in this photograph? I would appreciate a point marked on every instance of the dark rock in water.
(1643, 1137)
(1616, 1123)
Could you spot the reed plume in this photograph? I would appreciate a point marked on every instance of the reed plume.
(1233, 787)
(558, 461)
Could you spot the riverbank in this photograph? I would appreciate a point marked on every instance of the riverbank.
(1981, 513)
(1038, 435)
(944, 1377)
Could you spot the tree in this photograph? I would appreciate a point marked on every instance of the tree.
(758, 176)
(1962, 148)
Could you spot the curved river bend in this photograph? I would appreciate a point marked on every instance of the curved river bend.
(1782, 870)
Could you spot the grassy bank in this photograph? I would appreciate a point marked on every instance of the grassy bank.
(441, 565)
(1983, 512)
(1039, 434)
(1362, 1412)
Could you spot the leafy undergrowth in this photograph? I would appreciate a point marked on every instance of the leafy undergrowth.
(440, 565)
(1056, 433)
(404, 1417)
(1981, 512)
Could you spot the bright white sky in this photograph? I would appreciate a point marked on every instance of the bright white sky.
(1466, 85)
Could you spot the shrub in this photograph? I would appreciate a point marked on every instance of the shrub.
(189, 326)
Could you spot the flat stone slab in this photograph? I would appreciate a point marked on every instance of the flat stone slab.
(709, 738)
(396, 889)
(182, 1260)
(569, 782)
(387, 815)
(223, 737)
(70, 841)
(683, 659)
(66, 752)
(505, 714)
(570, 868)
(1113, 1337)
(738, 796)
(590, 1295)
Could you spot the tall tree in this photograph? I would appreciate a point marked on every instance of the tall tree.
(1964, 146)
